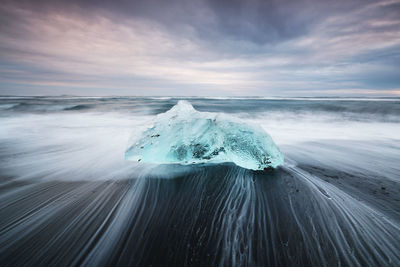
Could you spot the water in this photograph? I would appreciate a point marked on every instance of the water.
(68, 197)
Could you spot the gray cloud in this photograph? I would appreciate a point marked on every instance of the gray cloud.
(223, 47)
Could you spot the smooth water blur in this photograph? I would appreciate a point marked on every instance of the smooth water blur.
(67, 196)
(85, 138)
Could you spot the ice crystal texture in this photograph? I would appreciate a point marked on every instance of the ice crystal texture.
(184, 135)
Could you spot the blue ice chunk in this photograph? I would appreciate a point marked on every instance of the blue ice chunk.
(185, 136)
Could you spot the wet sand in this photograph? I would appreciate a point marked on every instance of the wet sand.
(68, 197)
(215, 215)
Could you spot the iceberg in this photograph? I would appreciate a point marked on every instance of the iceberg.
(186, 136)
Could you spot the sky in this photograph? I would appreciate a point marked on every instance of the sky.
(200, 47)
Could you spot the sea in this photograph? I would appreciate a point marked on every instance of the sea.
(68, 197)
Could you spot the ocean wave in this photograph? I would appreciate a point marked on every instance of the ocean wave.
(7, 106)
(78, 107)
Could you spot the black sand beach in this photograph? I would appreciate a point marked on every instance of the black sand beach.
(74, 200)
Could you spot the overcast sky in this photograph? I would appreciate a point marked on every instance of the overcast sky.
(200, 47)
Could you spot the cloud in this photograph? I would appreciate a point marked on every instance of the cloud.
(199, 47)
